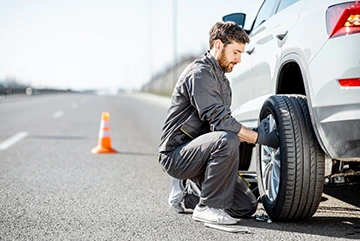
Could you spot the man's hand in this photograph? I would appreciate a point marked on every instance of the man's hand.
(268, 139)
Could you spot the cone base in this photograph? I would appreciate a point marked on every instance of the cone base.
(100, 149)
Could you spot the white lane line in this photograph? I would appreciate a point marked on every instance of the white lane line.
(58, 114)
(12, 140)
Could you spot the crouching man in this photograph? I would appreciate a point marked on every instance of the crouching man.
(200, 139)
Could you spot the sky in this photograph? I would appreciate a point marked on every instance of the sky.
(91, 44)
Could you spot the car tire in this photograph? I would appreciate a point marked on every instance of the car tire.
(290, 178)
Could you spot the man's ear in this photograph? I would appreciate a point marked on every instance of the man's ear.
(218, 44)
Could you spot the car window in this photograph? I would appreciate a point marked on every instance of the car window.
(285, 4)
(266, 11)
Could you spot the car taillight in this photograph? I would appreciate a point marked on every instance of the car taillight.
(343, 19)
(350, 82)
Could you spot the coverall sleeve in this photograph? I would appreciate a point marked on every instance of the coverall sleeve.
(205, 96)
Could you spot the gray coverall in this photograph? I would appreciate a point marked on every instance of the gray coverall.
(199, 140)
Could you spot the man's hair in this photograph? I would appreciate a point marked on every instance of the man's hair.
(227, 32)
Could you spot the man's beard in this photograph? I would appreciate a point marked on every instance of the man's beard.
(226, 65)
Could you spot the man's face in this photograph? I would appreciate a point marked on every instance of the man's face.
(230, 55)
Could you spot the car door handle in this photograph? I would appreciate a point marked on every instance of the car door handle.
(281, 36)
(250, 51)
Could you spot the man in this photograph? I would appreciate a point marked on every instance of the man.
(201, 139)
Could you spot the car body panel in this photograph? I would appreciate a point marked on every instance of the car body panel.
(334, 110)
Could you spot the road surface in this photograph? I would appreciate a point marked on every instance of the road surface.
(53, 188)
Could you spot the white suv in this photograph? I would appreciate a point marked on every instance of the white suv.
(301, 70)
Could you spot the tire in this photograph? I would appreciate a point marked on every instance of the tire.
(291, 178)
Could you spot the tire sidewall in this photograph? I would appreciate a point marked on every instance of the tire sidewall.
(268, 108)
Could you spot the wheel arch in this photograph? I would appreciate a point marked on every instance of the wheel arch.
(292, 66)
(290, 70)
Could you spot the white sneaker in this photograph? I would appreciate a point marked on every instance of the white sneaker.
(176, 195)
(212, 215)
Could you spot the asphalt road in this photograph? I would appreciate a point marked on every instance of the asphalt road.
(53, 188)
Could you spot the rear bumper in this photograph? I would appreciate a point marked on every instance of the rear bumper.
(339, 130)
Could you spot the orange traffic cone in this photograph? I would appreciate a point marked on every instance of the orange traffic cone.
(104, 142)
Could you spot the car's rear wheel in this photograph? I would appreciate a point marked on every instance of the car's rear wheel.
(290, 178)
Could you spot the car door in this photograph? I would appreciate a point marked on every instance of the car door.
(274, 25)
(243, 76)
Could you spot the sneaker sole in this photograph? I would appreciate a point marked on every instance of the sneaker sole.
(213, 222)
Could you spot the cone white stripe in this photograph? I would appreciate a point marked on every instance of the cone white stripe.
(104, 133)
(104, 124)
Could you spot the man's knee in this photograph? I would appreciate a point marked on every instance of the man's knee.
(230, 140)
(252, 204)
(247, 210)
(252, 207)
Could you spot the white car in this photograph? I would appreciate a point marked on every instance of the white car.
(301, 70)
